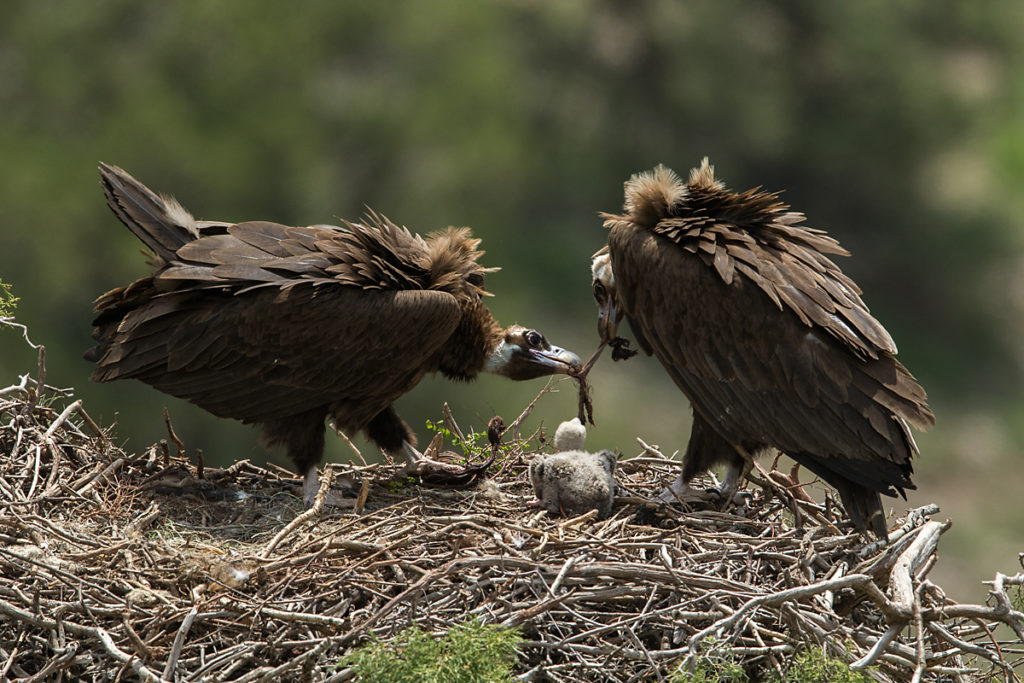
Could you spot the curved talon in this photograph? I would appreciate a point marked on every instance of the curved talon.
(677, 492)
(681, 492)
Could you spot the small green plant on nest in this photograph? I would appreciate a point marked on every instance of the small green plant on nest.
(468, 444)
(8, 302)
(398, 483)
(469, 653)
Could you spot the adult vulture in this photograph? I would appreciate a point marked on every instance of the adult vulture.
(765, 335)
(288, 326)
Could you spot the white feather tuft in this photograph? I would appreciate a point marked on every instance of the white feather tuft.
(180, 215)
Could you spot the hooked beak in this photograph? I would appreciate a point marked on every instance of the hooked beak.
(607, 320)
(558, 360)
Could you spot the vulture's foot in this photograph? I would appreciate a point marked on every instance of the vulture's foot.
(723, 497)
(729, 493)
(333, 498)
(681, 492)
(439, 474)
(739, 500)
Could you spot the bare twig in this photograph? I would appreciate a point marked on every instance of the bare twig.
(172, 435)
(99, 634)
(179, 642)
(450, 423)
(517, 423)
(313, 511)
(348, 441)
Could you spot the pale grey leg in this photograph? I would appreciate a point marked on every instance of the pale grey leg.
(734, 477)
(310, 486)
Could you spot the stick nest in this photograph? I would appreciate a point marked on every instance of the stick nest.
(149, 566)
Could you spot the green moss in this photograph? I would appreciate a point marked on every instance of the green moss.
(468, 653)
(806, 666)
(721, 671)
(813, 666)
(715, 666)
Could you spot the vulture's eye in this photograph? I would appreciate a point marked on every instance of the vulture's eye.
(600, 293)
(476, 279)
(535, 339)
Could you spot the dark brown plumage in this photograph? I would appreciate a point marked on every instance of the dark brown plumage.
(288, 326)
(764, 334)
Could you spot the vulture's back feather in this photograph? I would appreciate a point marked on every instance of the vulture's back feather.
(755, 234)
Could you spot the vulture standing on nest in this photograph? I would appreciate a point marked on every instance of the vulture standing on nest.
(288, 326)
(764, 334)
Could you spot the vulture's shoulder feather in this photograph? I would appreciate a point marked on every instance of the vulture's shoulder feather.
(374, 255)
(752, 235)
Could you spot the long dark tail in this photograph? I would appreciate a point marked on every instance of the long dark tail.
(160, 222)
(864, 507)
(862, 503)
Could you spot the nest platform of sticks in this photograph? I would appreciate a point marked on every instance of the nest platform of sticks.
(124, 567)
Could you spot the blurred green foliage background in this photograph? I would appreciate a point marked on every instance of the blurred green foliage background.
(897, 127)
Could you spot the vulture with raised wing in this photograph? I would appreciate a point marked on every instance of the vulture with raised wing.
(765, 335)
(287, 327)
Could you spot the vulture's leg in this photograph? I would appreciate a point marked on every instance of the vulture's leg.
(734, 477)
(705, 450)
(310, 486)
(677, 492)
(392, 435)
(303, 438)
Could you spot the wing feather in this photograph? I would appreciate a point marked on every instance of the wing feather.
(242, 256)
(266, 236)
(268, 354)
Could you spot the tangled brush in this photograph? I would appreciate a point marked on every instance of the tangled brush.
(153, 566)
